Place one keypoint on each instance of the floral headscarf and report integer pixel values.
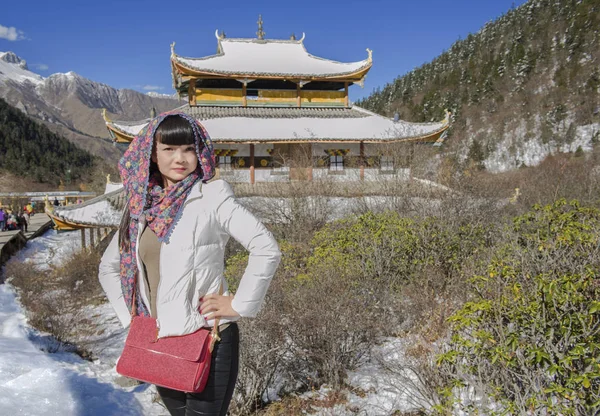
(145, 197)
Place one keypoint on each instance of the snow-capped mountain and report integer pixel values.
(71, 105)
(14, 68)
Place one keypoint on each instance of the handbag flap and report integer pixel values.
(143, 334)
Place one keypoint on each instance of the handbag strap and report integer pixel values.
(214, 334)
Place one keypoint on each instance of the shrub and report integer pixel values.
(529, 337)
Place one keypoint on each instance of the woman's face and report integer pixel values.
(175, 162)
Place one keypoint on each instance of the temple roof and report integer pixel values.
(299, 125)
(102, 211)
(256, 58)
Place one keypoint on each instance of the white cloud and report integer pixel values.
(152, 88)
(40, 67)
(11, 33)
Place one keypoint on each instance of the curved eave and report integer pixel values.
(185, 70)
(65, 225)
(119, 135)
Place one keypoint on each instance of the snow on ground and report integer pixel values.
(33, 382)
(515, 148)
(385, 384)
(49, 250)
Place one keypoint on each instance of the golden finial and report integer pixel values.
(47, 205)
(370, 52)
(173, 49)
(260, 34)
(293, 37)
(108, 178)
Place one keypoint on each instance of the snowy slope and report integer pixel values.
(35, 382)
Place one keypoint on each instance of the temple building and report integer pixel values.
(275, 112)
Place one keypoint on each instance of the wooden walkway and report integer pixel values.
(12, 241)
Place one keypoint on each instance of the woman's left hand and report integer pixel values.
(217, 306)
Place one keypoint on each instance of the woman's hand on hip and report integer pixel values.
(217, 306)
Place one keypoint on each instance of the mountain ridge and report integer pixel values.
(525, 86)
(71, 104)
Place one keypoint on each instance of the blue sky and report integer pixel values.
(125, 43)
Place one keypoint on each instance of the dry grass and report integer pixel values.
(55, 298)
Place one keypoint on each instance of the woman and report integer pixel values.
(172, 241)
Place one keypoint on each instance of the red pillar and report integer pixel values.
(252, 164)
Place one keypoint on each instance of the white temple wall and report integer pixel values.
(376, 175)
(268, 175)
(236, 175)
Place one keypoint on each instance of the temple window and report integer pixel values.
(386, 163)
(336, 163)
(225, 163)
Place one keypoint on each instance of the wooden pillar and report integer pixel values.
(362, 161)
(192, 92)
(98, 235)
(298, 95)
(83, 238)
(252, 163)
(92, 239)
(244, 97)
(346, 102)
(310, 162)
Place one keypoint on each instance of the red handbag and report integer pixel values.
(179, 363)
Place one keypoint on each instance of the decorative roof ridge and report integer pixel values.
(255, 40)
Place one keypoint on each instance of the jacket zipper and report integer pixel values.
(160, 265)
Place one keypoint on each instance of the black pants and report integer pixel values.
(214, 399)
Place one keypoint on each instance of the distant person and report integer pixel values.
(29, 209)
(11, 222)
(27, 218)
(20, 221)
(2, 220)
(56, 203)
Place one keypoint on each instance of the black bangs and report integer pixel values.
(174, 130)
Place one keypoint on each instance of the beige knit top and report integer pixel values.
(150, 257)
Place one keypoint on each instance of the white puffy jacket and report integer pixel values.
(192, 263)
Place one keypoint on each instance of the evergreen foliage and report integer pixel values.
(31, 150)
(529, 336)
(536, 62)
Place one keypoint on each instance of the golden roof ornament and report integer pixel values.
(260, 34)
(293, 37)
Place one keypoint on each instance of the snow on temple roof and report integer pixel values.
(279, 58)
(102, 211)
(244, 124)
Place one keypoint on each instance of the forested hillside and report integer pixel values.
(524, 86)
(30, 150)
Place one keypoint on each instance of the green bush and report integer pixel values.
(391, 250)
(529, 337)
